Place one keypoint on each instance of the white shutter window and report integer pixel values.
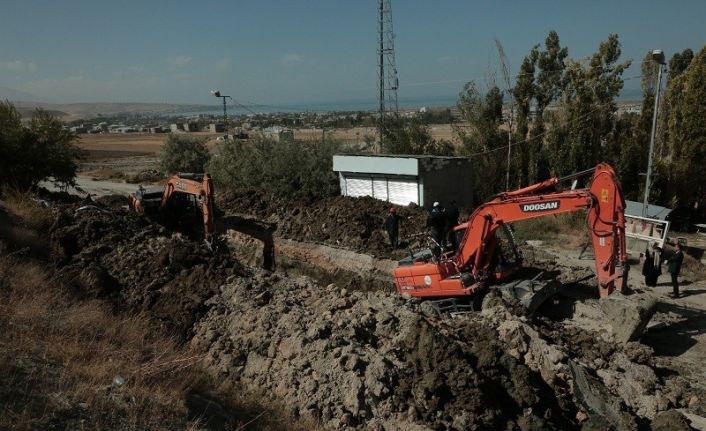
(402, 192)
(380, 188)
(359, 186)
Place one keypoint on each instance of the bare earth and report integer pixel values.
(677, 332)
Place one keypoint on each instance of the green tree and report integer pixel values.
(686, 137)
(633, 152)
(412, 136)
(182, 153)
(483, 139)
(680, 62)
(587, 111)
(677, 65)
(539, 83)
(524, 92)
(42, 150)
(298, 168)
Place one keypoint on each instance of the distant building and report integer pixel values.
(405, 179)
(216, 128)
(78, 129)
(279, 134)
(190, 127)
(157, 129)
(176, 128)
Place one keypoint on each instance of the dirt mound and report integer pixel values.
(353, 223)
(369, 360)
(137, 265)
(113, 201)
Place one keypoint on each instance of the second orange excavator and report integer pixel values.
(184, 199)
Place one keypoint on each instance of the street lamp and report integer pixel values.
(658, 57)
(225, 115)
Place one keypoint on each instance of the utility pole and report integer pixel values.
(658, 57)
(225, 115)
(506, 80)
(387, 69)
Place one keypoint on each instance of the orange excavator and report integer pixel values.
(481, 261)
(185, 197)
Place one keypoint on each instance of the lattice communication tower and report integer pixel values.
(387, 69)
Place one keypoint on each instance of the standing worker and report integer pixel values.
(392, 226)
(675, 268)
(652, 267)
(452, 215)
(437, 222)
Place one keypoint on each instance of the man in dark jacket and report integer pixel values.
(452, 215)
(392, 226)
(652, 269)
(675, 268)
(437, 222)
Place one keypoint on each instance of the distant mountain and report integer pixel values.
(13, 95)
(74, 111)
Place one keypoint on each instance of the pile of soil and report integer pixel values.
(370, 360)
(352, 223)
(137, 265)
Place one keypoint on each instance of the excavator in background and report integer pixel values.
(186, 198)
(481, 261)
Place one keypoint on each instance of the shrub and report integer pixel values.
(295, 168)
(182, 153)
(39, 151)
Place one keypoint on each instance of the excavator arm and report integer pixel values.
(471, 267)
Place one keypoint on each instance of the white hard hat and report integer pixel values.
(436, 204)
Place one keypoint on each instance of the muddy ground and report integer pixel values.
(356, 357)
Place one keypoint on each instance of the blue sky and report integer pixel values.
(289, 52)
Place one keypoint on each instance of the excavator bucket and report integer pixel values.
(531, 293)
(628, 315)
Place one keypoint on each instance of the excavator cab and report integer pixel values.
(146, 200)
(185, 201)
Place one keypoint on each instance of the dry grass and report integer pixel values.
(75, 350)
(59, 359)
(21, 204)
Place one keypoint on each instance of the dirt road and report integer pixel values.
(95, 188)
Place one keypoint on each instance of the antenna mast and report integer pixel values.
(387, 69)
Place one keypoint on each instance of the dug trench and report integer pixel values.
(254, 243)
(353, 354)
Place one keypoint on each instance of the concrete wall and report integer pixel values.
(444, 180)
